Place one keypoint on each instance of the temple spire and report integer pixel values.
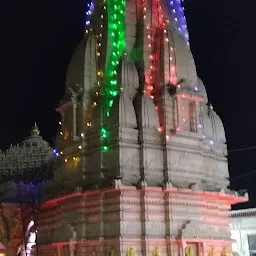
(35, 130)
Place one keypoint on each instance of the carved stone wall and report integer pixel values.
(152, 220)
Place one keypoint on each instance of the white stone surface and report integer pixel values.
(243, 223)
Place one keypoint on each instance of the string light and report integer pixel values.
(116, 26)
(90, 9)
(180, 19)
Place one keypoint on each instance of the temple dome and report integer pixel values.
(82, 67)
(35, 140)
(75, 72)
(212, 125)
(201, 89)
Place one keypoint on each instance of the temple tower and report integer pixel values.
(143, 167)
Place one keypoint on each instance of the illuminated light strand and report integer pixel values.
(172, 64)
(153, 54)
(117, 43)
(87, 15)
(149, 78)
(100, 73)
(179, 18)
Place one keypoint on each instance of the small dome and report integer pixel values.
(129, 77)
(219, 130)
(35, 140)
(146, 109)
(82, 67)
(212, 124)
(123, 112)
(201, 89)
(75, 72)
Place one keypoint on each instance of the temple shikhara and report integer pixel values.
(140, 162)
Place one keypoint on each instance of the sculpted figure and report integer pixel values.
(112, 252)
(131, 252)
(156, 251)
(188, 251)
(225, 252)
(212, 252)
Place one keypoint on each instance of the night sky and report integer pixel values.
(39, 37)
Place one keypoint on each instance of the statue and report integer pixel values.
(131, 252)
(156, 251)
(225, 252)
(112, 252)
(212, 252)
(188, 251)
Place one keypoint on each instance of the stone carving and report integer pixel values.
(117, 183)
(212, 252)
(188, 251)
(93, 253)
(17, 225)
(73, 233)
(112, 252)
(143, 184)
(225, 252)
(194, 186)
(131, 252)
(156, 252)
(168, 185)
(197, 229)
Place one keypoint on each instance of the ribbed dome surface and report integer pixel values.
(35, 140)
(123, 113)
(129, 77)
(75, 72)
(82, 67)
(146, 110)
(201, 89)
(212, 125)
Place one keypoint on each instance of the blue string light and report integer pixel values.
(88, 12)
(179, 18)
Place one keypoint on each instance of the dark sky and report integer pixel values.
(38, 38)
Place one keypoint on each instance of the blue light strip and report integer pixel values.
(179, 18)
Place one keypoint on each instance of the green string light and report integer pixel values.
(117, 44)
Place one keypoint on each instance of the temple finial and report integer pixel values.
(35, 130)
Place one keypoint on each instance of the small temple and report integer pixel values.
(140, 162)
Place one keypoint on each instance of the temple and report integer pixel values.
(141, 165)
